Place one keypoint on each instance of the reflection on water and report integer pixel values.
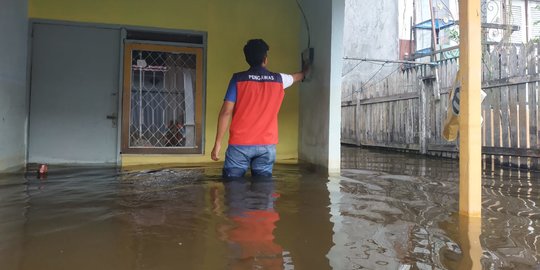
(163, 213)
(252, 220)
(392, 212)
(386, 211)
(408, 204)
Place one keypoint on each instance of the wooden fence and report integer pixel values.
(407, 109)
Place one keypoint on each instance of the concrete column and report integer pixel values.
(336, 62)
(470, 150)
(320, 96)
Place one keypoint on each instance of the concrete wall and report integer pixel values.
(229, 25)
(405, 16)
(320, 111)
(371, 31)
(13, 93)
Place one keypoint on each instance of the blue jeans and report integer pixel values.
(239, 158)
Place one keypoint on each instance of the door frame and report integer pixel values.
(122, 40)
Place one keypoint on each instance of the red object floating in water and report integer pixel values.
(43, 170)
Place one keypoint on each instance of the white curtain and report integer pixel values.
(189, 105)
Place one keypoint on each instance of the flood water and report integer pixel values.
(385, 211)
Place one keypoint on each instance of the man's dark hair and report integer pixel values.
(255, 51)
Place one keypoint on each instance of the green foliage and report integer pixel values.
(453, 34)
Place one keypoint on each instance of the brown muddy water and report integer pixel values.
(386, 211)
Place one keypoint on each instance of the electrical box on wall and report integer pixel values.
(307, 62)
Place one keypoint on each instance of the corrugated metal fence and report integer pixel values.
(407, 109)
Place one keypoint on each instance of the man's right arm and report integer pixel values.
(223, 122)
(299, 76)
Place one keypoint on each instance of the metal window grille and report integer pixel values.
(162, 103)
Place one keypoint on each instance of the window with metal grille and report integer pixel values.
(162, 101)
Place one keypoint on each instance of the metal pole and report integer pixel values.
(411, 40)
(140, 96)
(413, 29)
(434, 46)
(433, 31)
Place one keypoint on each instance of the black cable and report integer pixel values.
(307, 24)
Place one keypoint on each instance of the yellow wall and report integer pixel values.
(229, 24)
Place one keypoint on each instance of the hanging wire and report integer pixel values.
(350, 95)
(307, 24)
(384, 78)
(375, 74)
(364, 85)
(381, 62)
(360, 62)
(350, 70)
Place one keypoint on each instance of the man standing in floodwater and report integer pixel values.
(253, 100)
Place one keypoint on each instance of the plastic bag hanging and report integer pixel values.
(451, 124)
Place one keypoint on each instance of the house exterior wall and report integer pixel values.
(13, 90)
(229, 24)
(370, 31)
(320, 115)
(516, 12)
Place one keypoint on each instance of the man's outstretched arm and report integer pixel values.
(299, 76)
(223, 122)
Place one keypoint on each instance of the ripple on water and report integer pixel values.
(416, 198)
(385, 211)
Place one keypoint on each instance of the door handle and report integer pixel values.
(113, 118)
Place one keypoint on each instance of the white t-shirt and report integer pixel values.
(286, 79)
